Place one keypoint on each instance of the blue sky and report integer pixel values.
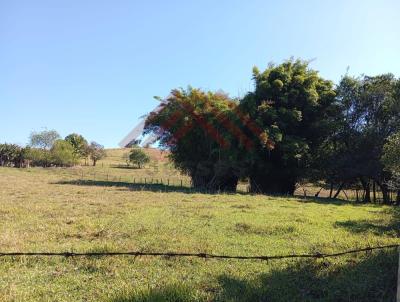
(93, 67)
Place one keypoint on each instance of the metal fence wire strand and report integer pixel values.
(196, 255)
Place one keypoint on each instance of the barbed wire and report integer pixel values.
(196, 255)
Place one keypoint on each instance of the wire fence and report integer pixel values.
(199, 255)
(139, 182)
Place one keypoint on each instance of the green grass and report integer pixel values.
(54, 210)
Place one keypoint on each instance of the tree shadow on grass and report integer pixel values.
(378, 226)
(372, 279)
(171, 293)
(362, 278)
(149, 187)
(332, 201)
(125, 167)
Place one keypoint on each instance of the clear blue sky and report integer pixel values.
(93, 67)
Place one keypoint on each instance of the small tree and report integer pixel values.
(62, 153)
(138, 157)
(96, 152)
(79, 143)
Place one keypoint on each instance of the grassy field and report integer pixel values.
(57, 210)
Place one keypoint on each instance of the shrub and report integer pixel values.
(62, 154)
(38, 157)
(138, 157)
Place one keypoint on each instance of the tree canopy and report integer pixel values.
(199, 130)
(44, 139)
(369, 115)
(96, 152)
(63, 153)
(79, 143)
(295, 108)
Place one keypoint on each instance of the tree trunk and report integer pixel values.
(331, 191)
(338, 191)
(94, 163)
(385, 192)
(367, 191)
(374, 190)
(317, 194)
(398, 198)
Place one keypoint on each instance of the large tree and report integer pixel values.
(201, 132)
(294, 107)
(370, 113)
(44, 139)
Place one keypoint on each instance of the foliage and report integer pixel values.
(79, 143)
(44, 139)
(370, 113)
(194, 126)
(39, 157)
(138, 157)
(294, 108)
(96, 152)
(391, 161)
(63, 154)
(391, 153)
(12, 155)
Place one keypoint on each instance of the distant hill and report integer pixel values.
(115, 155)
